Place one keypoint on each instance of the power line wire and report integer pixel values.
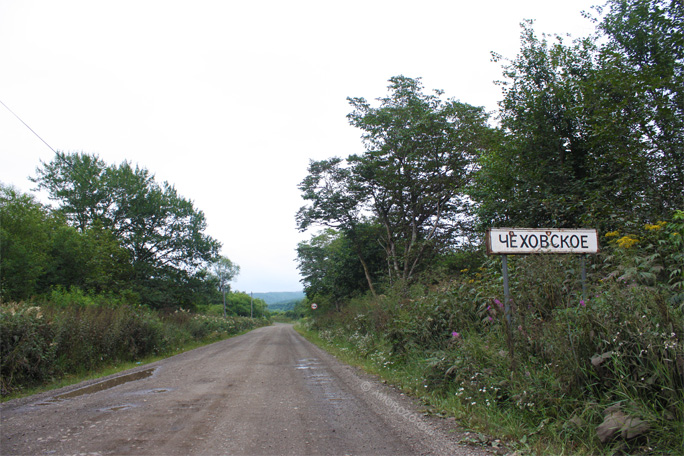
(27, 126)
(78, 172)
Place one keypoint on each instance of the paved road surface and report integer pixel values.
(268, 392)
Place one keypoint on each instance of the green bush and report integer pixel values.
(27, 351)
(82, 333)
(74, 296)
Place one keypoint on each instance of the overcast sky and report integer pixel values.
(230, 100)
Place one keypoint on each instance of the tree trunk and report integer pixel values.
(365, 271)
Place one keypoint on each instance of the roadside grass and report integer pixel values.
(42, 346)
(488, 423)
(407, 377)
(280, 317)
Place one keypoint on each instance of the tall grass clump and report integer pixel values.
(81, 333)
(595, 371)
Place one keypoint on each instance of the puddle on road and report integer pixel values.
(320, 380)
(117, 408)
(306, 363)
(101, 386)
(152, 391)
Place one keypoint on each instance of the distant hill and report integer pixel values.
(283, 300)
(284, 306)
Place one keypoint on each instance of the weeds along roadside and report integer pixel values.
(598, 375)
(43, 344)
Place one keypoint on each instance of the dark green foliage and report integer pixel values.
(244, 305)
(643, 69)
(92, 260)
(26, 350)
(39, 252)
(410, 181)
(162, 232)
(116, 231)
(537, 175)
(594, 129)
(335, 201)
(331, 269)
(460, 261)
(238, 304)
(25, 227)
(420, 151)
(298, 311)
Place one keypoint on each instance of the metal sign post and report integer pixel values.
(507, 307)
(583, 262)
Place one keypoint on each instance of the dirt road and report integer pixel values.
(267, 392)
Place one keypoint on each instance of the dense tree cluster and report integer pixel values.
(115, 230)
(594, 129)
(590, 133)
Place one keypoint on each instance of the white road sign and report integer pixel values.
(524, 241)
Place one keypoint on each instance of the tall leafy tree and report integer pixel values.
(335, 201)
(642, 82)
(224, 271)
(419, 157)
(162, 231)
(77, 182)
(537, 175)
(594, 128)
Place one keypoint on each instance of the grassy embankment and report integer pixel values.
(600, 375)
(75, 337)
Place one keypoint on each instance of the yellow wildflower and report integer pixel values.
(628, 241)
(656, 227)
(464, 270)
(612, 233)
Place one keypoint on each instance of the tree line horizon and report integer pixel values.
(589, 132)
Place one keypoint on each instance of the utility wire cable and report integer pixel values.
(66, 162)
(27, 126)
